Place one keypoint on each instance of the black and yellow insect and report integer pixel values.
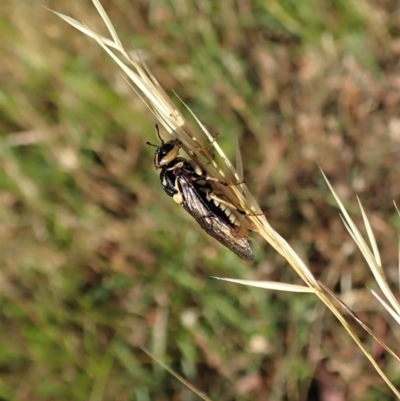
(189, 186)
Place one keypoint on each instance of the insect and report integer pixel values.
(189, 186)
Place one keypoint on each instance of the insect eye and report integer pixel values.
(166, 149)
(166, 154)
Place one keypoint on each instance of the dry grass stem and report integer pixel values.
(371, 256)
(177, 376)
(270, 285)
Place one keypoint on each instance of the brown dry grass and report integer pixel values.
(94, 259)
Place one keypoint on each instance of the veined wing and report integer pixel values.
(221, 229)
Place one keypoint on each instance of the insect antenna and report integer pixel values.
(159, 136)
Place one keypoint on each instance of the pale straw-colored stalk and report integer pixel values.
(162, 107)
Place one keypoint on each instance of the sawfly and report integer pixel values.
(189, 186)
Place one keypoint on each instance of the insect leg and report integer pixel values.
(205, 150)
(210, 145)
(225, 184)
(212, 159)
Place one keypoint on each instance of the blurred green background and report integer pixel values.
(98, 263)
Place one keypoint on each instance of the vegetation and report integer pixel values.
(97, 263)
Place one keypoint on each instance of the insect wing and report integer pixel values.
(214, 225)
